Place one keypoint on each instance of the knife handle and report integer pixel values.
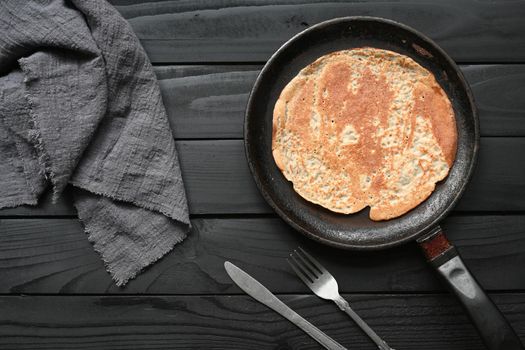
(306, 326)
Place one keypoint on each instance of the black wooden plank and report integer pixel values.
(218, 181)
(430, 322)
(239, 31)
(54, 256)
(498, 182)
(206, 101)
(209, 101)
(498, 94)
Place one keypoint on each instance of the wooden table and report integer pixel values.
(56, 293)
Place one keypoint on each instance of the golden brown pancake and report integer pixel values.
(364, 127)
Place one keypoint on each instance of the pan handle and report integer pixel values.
(494, 329)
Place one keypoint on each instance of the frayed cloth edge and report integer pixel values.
(35, 134)
(119, 280)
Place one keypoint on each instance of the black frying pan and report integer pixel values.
(357, 231)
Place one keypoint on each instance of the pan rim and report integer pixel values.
(454, 197)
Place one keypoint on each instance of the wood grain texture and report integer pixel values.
(240, 31)
(209, 101)
(51, 254)
(206, 101)
(498, 92)
(218, 181)
(54, 256)
(430, 322)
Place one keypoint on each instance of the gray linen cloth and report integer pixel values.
(80, 104)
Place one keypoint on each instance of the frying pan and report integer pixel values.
(357, 231)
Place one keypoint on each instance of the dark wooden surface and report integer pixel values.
(251, 30)
(52, 256)
(55, 293)
(430, 322)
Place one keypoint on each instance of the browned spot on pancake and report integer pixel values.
(371, 101)
(432, 103)
(301, 106)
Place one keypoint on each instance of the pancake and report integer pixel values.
(364, 127)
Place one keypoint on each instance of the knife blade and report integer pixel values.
(257, 291)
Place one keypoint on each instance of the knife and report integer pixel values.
(257, 291)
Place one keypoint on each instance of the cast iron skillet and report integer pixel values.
(357, 231)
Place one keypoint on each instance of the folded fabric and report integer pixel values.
(80, 105)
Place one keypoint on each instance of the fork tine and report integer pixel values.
(313, 261)
(299, 273)
(316, 271)
(303, 268)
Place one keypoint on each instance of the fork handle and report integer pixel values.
(344, 306)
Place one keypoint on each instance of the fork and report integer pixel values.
(324, 285)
